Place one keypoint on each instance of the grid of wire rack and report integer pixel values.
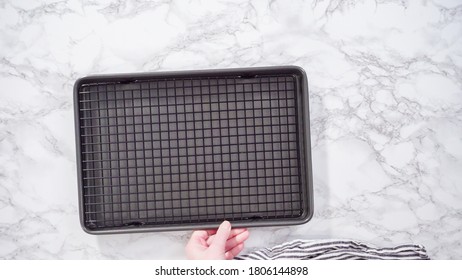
(189, 150)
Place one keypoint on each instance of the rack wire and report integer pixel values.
(177, 151)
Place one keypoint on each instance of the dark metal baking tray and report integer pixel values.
(185, 150)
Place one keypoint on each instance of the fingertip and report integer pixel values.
(234, 252)
(219, 241)
(199, 234)
(244, 236)
(236, 231)
(225, 225)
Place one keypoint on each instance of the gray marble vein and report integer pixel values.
(385, 98)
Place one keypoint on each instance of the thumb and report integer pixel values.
(219, 242)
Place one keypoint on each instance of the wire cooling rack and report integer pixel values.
(179, 152)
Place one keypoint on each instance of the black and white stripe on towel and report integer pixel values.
(337, 249)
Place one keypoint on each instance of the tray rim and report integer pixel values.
(305, 145)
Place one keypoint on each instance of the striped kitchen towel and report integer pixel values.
(337, 249)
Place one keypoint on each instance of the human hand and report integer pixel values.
(221, 244)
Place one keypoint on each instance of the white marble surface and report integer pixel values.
(386, 107)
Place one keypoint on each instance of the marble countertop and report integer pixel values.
(385, 81)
